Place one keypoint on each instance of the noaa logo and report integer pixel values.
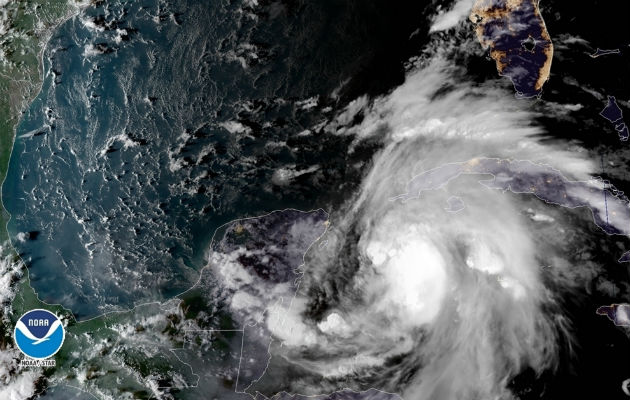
(39, 334)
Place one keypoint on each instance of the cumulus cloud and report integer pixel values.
(10, 270)
(15, 383)
(448, 19)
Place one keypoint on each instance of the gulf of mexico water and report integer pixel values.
(159, 121)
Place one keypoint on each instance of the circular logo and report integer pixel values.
(39, 334)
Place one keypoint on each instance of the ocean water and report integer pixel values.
(159, 121)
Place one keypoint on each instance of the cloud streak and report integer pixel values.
(424, 302)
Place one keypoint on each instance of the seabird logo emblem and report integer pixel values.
(39, 334)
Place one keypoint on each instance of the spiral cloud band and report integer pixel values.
(405, 293)
(442, 276)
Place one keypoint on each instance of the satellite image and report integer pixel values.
(314, 200)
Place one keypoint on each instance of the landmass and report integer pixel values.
(612, 112)
(257, 261)
(619, 314)
(599, 52)
(515, 33)
(455, 204)
(609, 206)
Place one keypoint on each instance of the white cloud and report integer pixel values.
(470, 281)
(15, 383)
(448, 19)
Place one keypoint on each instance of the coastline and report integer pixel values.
(25, 29)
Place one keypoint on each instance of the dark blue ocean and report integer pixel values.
(133, 153)
(159, 121)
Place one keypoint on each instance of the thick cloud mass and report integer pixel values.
(413, 297)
